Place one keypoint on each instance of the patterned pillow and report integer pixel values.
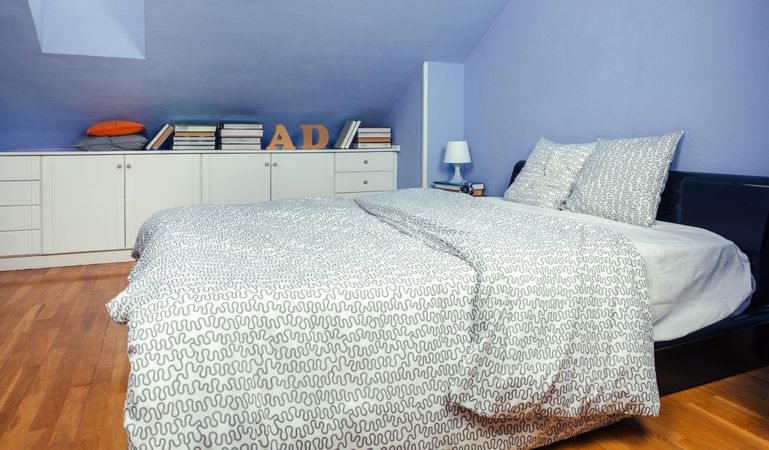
(623, 179)
(549, 174)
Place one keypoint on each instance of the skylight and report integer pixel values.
(109, 28)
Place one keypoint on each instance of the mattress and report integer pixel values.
(695, 277)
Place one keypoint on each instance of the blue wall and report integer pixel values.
(574, 71)
(446, 116)
(406, 122)
(444, 85)
(276, 61)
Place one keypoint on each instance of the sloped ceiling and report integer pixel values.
(293, 61)
(68, 26)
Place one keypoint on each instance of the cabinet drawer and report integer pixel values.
(364, 162)
(13, 193)
(17, 243)
(364, 182)
(18, 218)
(19, 168)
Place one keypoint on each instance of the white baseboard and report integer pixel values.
(71, 259)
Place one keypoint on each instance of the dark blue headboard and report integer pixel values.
(734, 206)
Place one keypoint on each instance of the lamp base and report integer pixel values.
(457, 178)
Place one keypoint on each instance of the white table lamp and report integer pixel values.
(457, 153)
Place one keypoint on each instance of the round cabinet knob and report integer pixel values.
(266, 164)
(119, 166)
(365, 161)
(127, 166)
(274, 164)
(365, 181)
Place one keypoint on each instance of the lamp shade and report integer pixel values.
(457, 152)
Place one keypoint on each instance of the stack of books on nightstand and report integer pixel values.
(194, 136)
(373, 137)
(478, 188)
(240, 135)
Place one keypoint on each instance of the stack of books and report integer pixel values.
(478, 188)
(240, 135)
(346, 136)
(373, 137)
(192, 136)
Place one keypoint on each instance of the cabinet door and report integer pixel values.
(82, 203)
(155, 182)
(302, 175)
(236, 178)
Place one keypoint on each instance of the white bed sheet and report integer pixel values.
(695, 277)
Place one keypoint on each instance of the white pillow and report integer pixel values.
(547, 178)
(623, 179)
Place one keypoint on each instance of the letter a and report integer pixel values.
(281, 138)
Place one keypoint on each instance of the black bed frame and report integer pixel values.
(737, 208)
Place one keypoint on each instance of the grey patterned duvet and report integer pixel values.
(417, 319)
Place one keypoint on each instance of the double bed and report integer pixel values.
(416, 319)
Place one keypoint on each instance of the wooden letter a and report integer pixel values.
(281, 138)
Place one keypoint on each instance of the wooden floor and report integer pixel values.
(63, 371)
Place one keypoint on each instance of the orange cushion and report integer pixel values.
(115, 128)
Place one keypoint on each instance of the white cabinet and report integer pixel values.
(59, 208)
(302, 175)
(82, 203)
(158, 181)
(98, 202)
(236, 178)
